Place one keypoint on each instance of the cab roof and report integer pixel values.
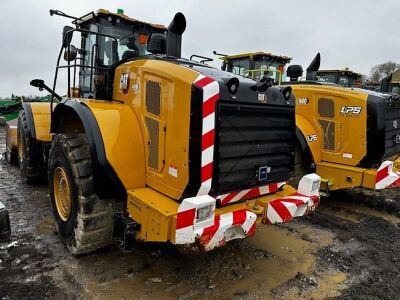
(283, 58)
(345, 70)
(395, 76)
(105, 13)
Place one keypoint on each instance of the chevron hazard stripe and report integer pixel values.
(249, 193)
(386, 178)
(285, 209)
(210, 89)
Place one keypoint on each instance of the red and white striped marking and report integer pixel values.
(225, 227)
(249, 193)
(210, 89)
(285, 209)
(386, 178)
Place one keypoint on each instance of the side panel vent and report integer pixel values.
(328, 128)
(153, 97)
(154, 132)
(326, 108)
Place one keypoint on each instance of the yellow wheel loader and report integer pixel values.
(148, 146)
(348, 136)
(344, 77)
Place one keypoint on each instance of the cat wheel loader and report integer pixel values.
(149, 146)
(348, 136)
(344, 77)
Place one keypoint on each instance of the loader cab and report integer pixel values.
(106, 40)
(390, 84)
(257, 65)
(345, 77)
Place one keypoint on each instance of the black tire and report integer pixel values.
(30, 158)
(90, 223)
(299, 170)
(11, 153)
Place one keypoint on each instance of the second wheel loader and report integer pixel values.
(348, 136)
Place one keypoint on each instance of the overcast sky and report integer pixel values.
(349, 33)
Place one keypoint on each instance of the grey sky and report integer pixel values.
(356, 34)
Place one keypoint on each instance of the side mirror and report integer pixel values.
(38, 83)
(223, 66)
(66, 36)
(70, 53)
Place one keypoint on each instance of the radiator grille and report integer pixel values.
(328, 128)
(326, 108)
(153, 97)
(153, 130)
(250, 137)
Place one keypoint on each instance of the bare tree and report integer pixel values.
(379, 71)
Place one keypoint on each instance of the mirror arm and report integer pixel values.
(42, 86)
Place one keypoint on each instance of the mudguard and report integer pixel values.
(38, 120)
(109, 141)
(309, 140)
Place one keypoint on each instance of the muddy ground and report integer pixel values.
(348, 249)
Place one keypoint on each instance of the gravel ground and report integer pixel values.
(347, 249)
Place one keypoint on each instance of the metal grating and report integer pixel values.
(329, 134)
(392, 132)
(153, 130)
(250, 137)
(153, 97)
(326, 108)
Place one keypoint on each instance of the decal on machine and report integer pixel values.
(311, 138)
(397, 139)
(262, 98)
(351, 110)
(123, 83)
(303, 100)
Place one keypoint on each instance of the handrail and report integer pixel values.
(248, 72)
(69, 65)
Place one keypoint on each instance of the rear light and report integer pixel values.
(309, 185)
(204, 212)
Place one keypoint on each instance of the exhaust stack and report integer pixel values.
(174, 35)
(313, 68)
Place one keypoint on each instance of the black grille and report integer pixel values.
(250, 137)
(392, 132)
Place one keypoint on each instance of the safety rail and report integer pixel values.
(251, 73)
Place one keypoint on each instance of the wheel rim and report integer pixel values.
(62, 193)
(20, 147)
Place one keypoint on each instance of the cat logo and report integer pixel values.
(351, 110)
(312, 138)
(123, 83)
(262, 98)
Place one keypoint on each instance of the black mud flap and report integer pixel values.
(5, 228)
(124, 231)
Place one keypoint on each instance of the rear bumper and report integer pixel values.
(341, 176)
(238, 221)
